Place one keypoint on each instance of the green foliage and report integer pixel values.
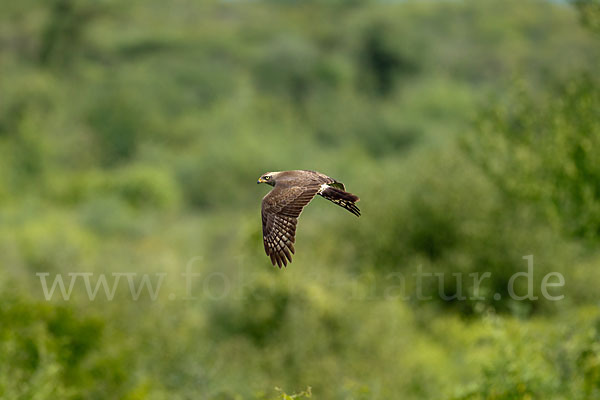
(288, 67)
(131, 135)
(542, 150)
(383, 64)
(302, 395)
(63, 36)
(47, 350)
(589, 11)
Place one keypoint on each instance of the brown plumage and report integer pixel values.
(292, 191)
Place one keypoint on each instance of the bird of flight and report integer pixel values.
(292, 190)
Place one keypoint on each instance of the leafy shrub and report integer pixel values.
(288, 67)
(541, 151)
(44, 348)
(382, 61)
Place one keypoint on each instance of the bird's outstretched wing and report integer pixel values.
(280, 210)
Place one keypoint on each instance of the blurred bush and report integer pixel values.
(131, 135)
(542, 151)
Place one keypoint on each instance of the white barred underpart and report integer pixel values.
(323, 187)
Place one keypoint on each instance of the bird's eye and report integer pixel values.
(267, 178)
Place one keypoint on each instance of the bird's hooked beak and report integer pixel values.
(260, 180)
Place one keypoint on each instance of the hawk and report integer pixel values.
(292, 190)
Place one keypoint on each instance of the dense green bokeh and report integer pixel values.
(131, 135)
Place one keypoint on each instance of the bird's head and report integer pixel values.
(268, 178)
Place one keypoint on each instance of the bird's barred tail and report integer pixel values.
(341, 198)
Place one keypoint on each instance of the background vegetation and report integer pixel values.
(131, 135)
